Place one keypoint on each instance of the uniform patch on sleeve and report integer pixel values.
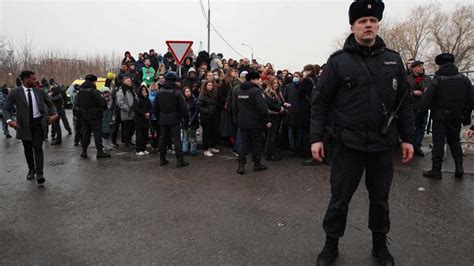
(394, 84)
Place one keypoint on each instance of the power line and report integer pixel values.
(215, 30)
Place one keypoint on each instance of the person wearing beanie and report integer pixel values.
(418, 82)
(30, 103)
(450, 97)
(91, 105)
(364, 92)
(251, 111)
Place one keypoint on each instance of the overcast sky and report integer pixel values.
(288, 34)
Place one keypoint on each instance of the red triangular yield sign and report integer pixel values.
(179, 49)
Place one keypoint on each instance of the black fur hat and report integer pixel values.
(366, 8)
(444, 58)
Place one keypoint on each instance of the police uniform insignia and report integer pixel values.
(369, 6)
(389, 63)
(394, 84)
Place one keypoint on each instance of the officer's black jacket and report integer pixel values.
(361, 103)
(89, 99)
(169, 106)
(449, 91)
(251, 108)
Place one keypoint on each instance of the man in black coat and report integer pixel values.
(91, 105)
(30, 106)
(451, 99)
(362, 85)
(171, 109)
(251, 111)
(57, 99)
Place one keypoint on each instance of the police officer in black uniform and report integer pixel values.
(365, 86)
(91, 106)
(171, 109)
(450, 98)
(251, 111)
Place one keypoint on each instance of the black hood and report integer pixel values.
(190, 58)
(169, 85)
(88, 85)
(247, 85)
(352, 46)
(448, 69)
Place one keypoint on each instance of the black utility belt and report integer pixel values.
(90, 111)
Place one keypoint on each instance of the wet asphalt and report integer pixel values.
(128, 210)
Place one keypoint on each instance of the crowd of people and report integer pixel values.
(208, 85)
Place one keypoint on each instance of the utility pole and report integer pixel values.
(208, 26)
(251, 48)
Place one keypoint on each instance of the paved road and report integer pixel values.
(128, 210)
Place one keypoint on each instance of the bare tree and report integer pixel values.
(455, 34)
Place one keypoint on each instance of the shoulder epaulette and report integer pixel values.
(393, 51)
(337, 53)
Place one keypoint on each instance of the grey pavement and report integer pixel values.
(128, 210)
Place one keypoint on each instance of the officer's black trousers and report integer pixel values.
(92, 126)
(346, 173)
(251, 138)
(172, 133)
(77, 128)
(442, 131)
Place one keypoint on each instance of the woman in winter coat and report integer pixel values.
(107, 119)
(189, 131)
(125, 98)
(206, 106)
(142, 119)
(274, 103)
(224, 104)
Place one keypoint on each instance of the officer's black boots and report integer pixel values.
(380, 250)
(257, 167)
(102, 154)
(241, 169)
(84, 153)
(435, 171)
(164, 162)
(459, 172)
(329, 253)
(181, 163)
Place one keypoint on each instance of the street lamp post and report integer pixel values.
(11, 79)
(250, 48)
